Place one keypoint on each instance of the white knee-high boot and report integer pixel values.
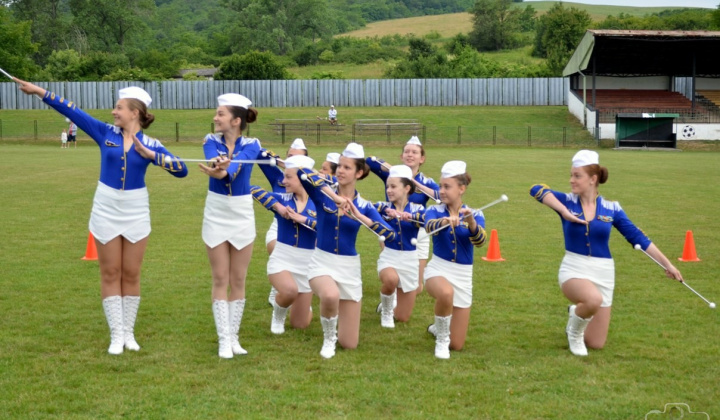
(277, 325)
(575, 331)
(329, 326)
(113, 307)
(235, 314)
(220, 313)
(387, 310)
(442, 336)
(131, 304)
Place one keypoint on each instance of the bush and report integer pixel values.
(254, 65)
(326, 56)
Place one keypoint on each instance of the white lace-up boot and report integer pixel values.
(131, 304)
(113, 307)
(277, 325)
(271, 296)
(575, 331)
(235, 314)
(387, 313)
(329, 326)
(442, 336)
(220, 313)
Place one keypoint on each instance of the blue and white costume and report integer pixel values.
(453, 252)
(120, 206)
(229, 214)
(400, 254)
(295, 243)
(417, 197)
(274, 175)
(587, 251)
(335, 254)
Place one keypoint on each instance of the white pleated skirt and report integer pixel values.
(294, 260)
(423, 244)
(228, 218)
(120, 213)
(600, 271)
(459, 276)
(405, 264)
(272, 233)
(344, 269)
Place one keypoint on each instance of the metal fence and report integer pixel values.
(309, 93)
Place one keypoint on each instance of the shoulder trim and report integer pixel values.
(249, 140)
(213, 137)
(151, 142)
(609, 204)
(415, 207)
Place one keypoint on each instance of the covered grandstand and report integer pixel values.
(621, 72)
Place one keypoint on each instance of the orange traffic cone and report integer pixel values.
(689, 253)
(91, 249)
(493, 253)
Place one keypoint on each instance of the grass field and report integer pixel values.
(441, 125)
(451, 24)
(662, 346)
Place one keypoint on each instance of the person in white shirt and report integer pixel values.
(332, 115)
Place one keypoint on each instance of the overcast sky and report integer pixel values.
(709, 4)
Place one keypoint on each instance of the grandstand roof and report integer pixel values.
(647, 53)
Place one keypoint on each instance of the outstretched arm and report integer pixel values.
(670, 271)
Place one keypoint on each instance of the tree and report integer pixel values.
(112, 22)
(16, 46)
(64, 65)
(50, 24)
(279, 26)
(254, 65)
(495, 25)
(558, 33)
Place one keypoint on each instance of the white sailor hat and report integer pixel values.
(332, 106)
(354, 151)
(234, 99)
(333, 158)
(298, 144)
(134, 92)
(299, 161)
(414, 140)
(400, 171)
(585, 158)
(453, 168)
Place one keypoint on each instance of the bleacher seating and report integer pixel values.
(712, 96)
(641, 100)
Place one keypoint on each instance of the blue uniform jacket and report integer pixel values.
(405, 231)
(593, 240)
(274, 174)
(416, 196)
(118, 169)
(237, 181)
(337, 234)
(454, 244)
(289, 232)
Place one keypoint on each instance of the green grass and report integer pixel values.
(441, 125)
(373, 70)
(451, 24)
(662, 345)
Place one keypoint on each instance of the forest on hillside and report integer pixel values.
(259, 39)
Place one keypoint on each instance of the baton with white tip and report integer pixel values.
(710, 304)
